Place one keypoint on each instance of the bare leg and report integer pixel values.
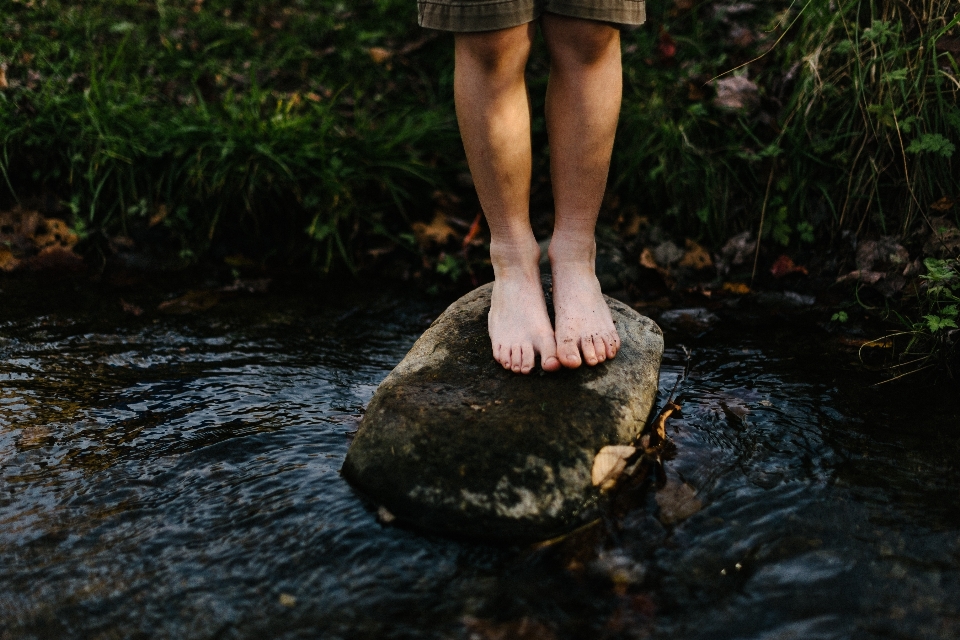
(583, 105)
(493, 110)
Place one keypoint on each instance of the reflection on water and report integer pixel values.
(178, 477)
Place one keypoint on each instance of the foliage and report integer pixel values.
(251, 121)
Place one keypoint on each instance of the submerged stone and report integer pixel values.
(454, 443)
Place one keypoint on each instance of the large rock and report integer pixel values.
(454, 443)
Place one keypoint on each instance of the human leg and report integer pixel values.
(493, 110)
(583, 106)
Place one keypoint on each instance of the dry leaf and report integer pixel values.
(473, 232)
(54, 258)
(190, 302)
(438, 232)
(523, 629)
(736, 288)
(287, 600)
(379, 54)
(943, 204)
(384, 515)
(647, 260)
(660, 428)
(54, 231)
(695, 257)
(608, 464)
(784, 266)
(736, 92)
(7, 262)
(132, 309)
(3, 77)
(158, 216)
(677, 501)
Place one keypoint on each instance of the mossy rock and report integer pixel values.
(451, 442)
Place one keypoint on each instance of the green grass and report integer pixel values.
(307, 131)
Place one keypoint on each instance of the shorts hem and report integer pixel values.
(458, 16)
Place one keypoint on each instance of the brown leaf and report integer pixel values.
(54, 231)
(660, 427)
(190, 302)
(735, 288)
(158, 216)
(677, 501)
(523, 629)
(695, 257)
(54, 258)
(132, 309)
(784, 266)
(647, 260)
(7, 262)
(944, 240)
(384, 515)
(608, 464)
(379, 54)
(736, 93)
(3, 77)
(943, 204)
(868, 277)
(473, 232)
(438, 232)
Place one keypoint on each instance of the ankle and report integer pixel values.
(515, 255)
(573, 250)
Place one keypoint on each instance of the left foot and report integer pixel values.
(583, 328)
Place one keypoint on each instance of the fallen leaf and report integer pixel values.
(647, 260)
(660, 426)
(190, 302)
(736, 288)
(7, 262)
(666, 46)
(384, 515)
(379, 54)
(677, 501)
(438, 232)
(53, 231)
(3, 77)
(736, 93)
(944, 239)
(54, 258)
(287, 600)
(132, 309)
(158, 216)
(943, 204)
(608, 464)
(868, 277)
(523, 629)
(473, 232)
(253, 285)
(695, 257)
(784, 266)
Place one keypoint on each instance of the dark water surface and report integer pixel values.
(177, 477)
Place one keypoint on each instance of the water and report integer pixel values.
(177, 477)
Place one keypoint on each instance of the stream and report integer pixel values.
(176, 476)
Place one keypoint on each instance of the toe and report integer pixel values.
(528, 358)
(600, 346)
(589, 352)
(548, 354)
(568, 353)
(612, 344)
(516, 358)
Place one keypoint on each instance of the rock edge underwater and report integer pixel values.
(453, 443)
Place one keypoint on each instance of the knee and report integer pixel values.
(585, 44)
(495, 52)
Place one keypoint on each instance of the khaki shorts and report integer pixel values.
(489, 15)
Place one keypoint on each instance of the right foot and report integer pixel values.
(518, 323)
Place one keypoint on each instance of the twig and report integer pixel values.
(763, 213)
(774, 46)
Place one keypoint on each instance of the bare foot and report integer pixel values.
(584, 326)
(518, 322)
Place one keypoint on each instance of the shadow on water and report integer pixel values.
(178, 477)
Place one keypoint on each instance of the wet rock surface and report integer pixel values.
(452, 442)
